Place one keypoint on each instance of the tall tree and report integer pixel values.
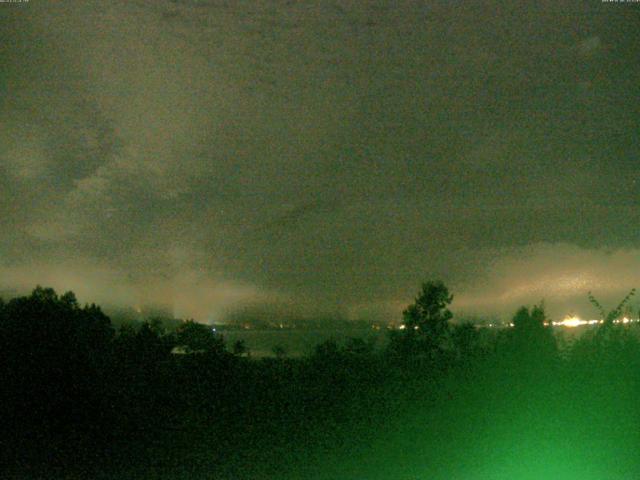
(429, 314)
(532, 336)
(426, 321)
(196, 337)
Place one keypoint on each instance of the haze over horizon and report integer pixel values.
(320, 157)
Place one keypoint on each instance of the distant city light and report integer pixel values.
(574, 321)
(569, 322)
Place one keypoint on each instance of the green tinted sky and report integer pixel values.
(320, 155)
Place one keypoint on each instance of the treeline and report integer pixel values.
(441, 400)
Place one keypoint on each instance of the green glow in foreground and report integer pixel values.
(533, 461)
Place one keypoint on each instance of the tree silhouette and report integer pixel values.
(429, 312)
(608, 340)
(616, 313)
(240, 348)
(529, 323)
(532, 335)
(358, 347)
(465, 338)
(44, 325)
(199, 338)
(279, 351)
(426, 321)
(327, 350)
(54, 359)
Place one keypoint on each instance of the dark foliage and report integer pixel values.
(80, 400)
(426, 324)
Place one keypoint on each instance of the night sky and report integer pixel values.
(321, 157)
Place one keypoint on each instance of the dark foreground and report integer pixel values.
(79, 401)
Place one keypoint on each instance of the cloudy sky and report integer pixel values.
(320, 156)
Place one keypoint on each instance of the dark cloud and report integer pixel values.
(322, 156)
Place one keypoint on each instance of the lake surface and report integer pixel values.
(302, 342)
(297, 342)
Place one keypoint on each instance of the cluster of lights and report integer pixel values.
(578, 322)
(570, 322)
(573, 322)
(403, 327)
